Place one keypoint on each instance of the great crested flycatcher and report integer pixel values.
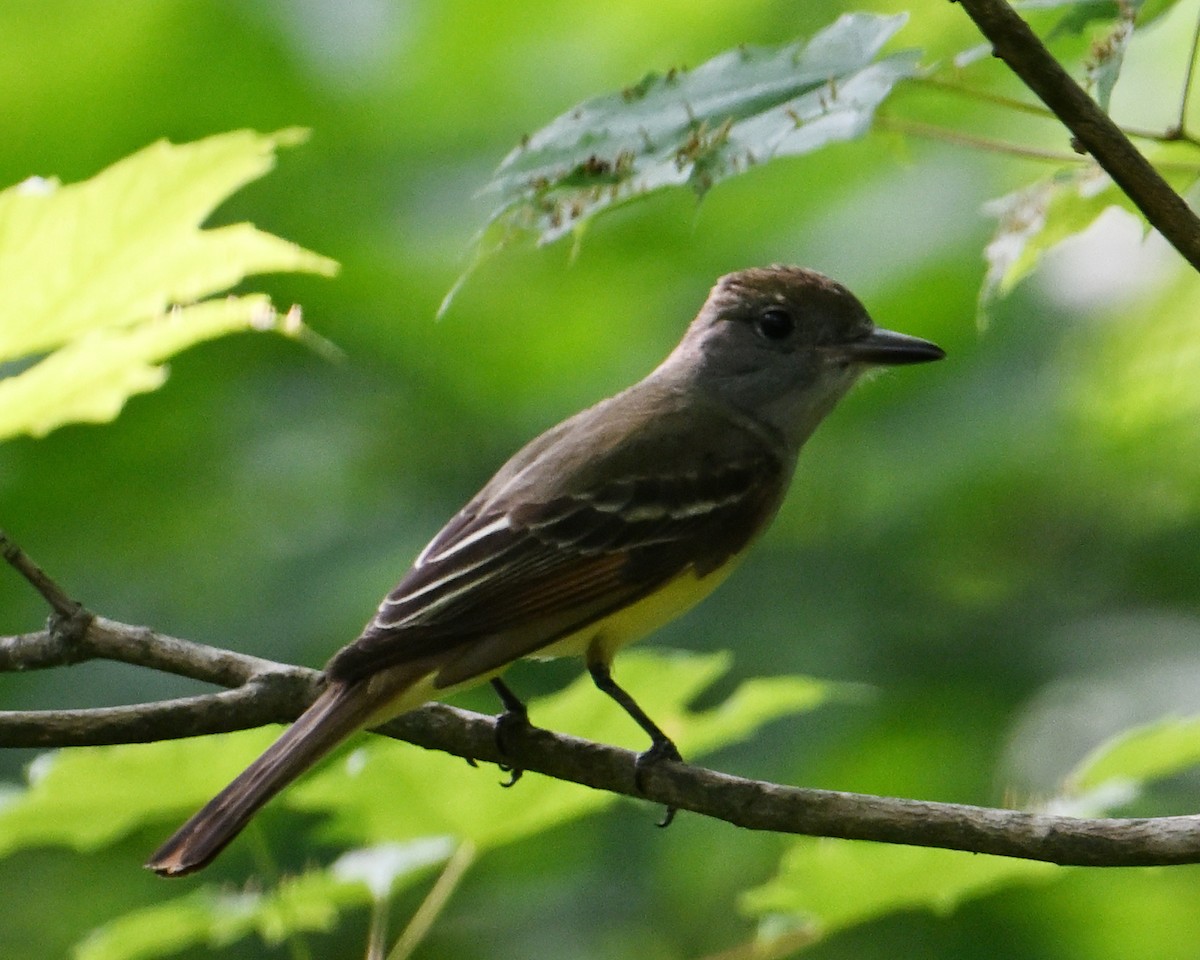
(595, 533)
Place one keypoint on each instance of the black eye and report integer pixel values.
(775, 323)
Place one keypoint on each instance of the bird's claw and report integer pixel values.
(514, 774)
(660, 750)
(510, 724)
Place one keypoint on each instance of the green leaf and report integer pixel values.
(384, 791)
(742, 108)
(90, 378)
(311, 901)
(89, 798)
(1135, 757)
(214, 918)
(92, 270)
(825, 885)
(1081, 13)
(376, 796)
(1037, 217)
(828, 885)
(380, 792)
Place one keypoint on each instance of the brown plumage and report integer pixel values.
(596, 532)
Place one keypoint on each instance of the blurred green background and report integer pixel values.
(1005, 544)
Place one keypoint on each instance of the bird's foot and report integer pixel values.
(510, 725)
(660, 750)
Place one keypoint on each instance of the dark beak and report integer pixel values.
(890, 349)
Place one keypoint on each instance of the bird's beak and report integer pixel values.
(888, 348)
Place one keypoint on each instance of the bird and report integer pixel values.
(596, 532)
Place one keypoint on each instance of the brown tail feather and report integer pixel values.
(333, 716)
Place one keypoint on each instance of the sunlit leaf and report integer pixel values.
(89, 274)
(400, 808)
(90, 378)
(383, 793)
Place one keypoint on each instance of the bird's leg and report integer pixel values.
(515, 717)
(662, 747)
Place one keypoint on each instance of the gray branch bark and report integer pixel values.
(264, 692)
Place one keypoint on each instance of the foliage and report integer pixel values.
(90, 798)
(1005, 547)
(102, 280)
(823, 885)
(748, 106)
(697, 127)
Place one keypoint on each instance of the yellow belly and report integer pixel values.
(398, 691)
(602, 639)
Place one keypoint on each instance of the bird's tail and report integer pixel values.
(334, 715)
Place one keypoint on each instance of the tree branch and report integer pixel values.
(277, 693)
(270, 698)
(268, 692)
(1014, 43)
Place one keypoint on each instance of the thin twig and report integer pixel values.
(984, 96)
(931, 132)
(435, 902)
(267, 699)
(377, 930)
(1034, 109)
(53, 594)
(778, 947)
(1179, 132)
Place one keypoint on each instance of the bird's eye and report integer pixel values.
(775, 323)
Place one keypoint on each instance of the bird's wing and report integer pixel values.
(500, 584)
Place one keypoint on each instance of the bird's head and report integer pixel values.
(784, 344)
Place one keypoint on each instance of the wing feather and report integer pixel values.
(513, 580)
